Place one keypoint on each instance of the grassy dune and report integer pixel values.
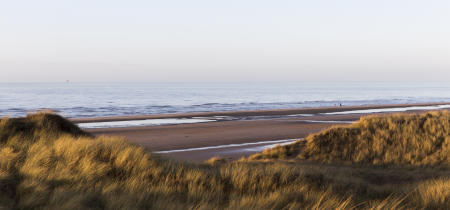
(397, 139)
(48, 163)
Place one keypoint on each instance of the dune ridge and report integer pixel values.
(46, 162)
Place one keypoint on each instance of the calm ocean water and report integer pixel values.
(77, 100)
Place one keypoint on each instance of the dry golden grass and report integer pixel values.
(214, 161)
(48, 163)
(280, 152)
(396, 139)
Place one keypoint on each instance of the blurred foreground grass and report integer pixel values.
(48, 163)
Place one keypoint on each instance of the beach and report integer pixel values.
(272, 125)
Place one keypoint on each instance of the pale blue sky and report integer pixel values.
(224, 41)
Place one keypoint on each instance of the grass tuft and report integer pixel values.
(216, 161)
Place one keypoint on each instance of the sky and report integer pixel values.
(225, 41)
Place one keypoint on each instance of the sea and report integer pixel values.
(86, 100)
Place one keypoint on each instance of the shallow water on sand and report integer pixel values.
(230, 151)
(253, 146)
(148, 122)
(400, 109)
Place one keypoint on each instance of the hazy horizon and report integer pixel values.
(225, 42)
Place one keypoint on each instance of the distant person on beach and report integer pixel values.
(340, 104)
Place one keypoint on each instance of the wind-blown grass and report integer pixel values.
(396, 139)
(48, 163)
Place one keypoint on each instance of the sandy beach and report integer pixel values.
(187, 136)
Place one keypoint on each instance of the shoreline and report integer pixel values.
(251, 113)
(186, 136)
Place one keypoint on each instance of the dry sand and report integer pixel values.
(185, 136)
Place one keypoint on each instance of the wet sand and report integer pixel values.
(185, 136)
(272, 112)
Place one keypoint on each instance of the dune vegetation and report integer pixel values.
(397, 139)
(46, 162)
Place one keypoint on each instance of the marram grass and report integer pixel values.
(48, 163)
(396, 139)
